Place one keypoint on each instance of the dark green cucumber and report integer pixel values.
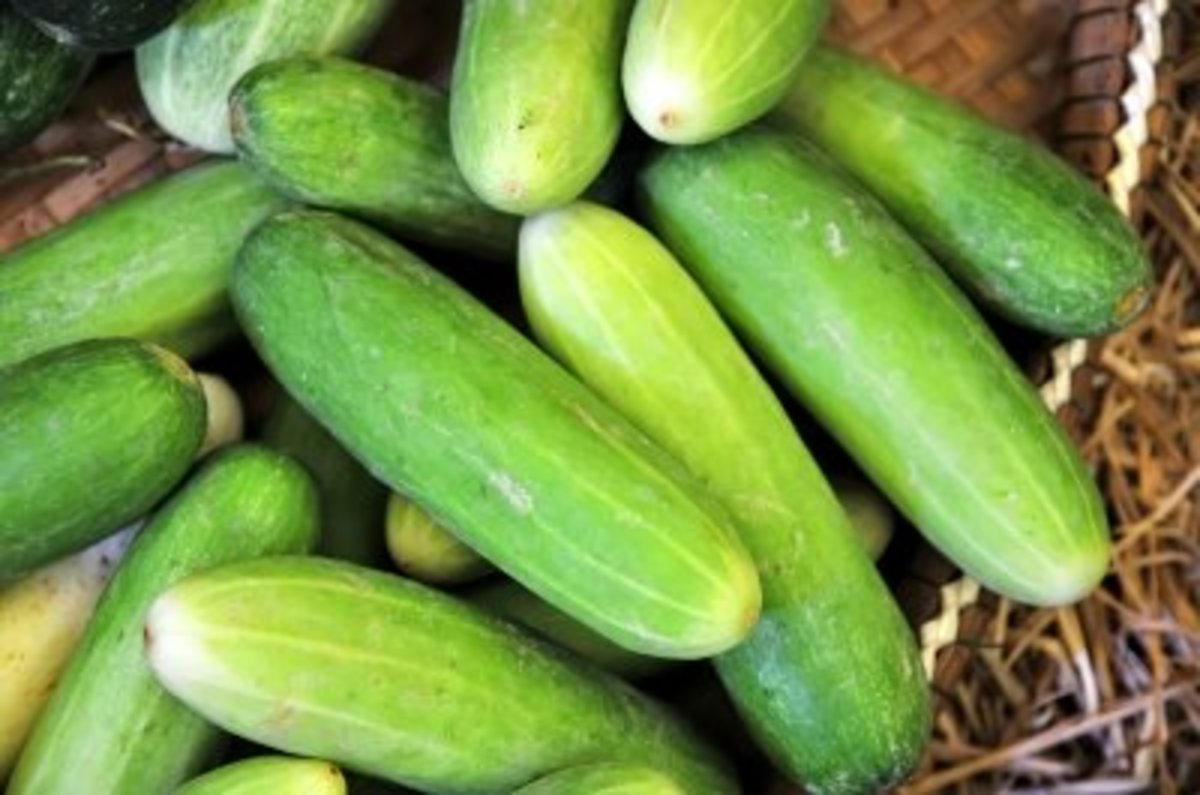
(107, 25)
(425, 386)
(110, 727)
(866, 330)
(290, 124)
(187, 71)
(269, 775)
(152, 265)
(91, 436)
(1018, 227)
(535, 105)
(437, 696)
(38, 77)
(604, 778)
(830, 681)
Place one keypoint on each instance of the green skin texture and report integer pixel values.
(109, 25)
(535, 102)
(92, 435)
(426, 551)
(603, 779)
(578, 506)
(396, 680)
(864, 329)
(151, 265)
(38, 77)
(830, 680)
(1016, 226)
(187, 71)
(290, 124)
(269, 775)
(109, 723)
(695, 70)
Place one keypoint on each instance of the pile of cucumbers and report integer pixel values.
(691, 197)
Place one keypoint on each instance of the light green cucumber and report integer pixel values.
(578, 506)
(337, 134)
(187, 71)
(603, 779)
(830, 680)
(1019, 228)
(91, 436)
(269, 775)
(152, 265)
(109, 723)
(695, 70)
(864, 328)
(426, 551)
(437, 695)
(535, 104)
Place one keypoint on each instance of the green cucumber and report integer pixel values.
(152, 265)
(91, 436)
(290, 123)
(109, 724)
(38, 77)
(696, 70)
(535, 104)
(269, 775)
(1018, 227)
(107, 25)
(187, 71)
(869, 512)
(437, 696)
(579, 506)
(864, 328)
(603, 779)
(426, 551)
(830, 680)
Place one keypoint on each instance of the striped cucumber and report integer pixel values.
(107, 25)
(830, 681)
(108, 722)
(579, 507)
(888, 355)
(604, 778)
(1017, 226)
(187, 71)
(698, 69)
(269, 775)
(151, 265)
(535, 104)
(91, 436)
(290, 123)
(437, 696)
(424, 550)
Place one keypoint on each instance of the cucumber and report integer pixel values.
(290, 121)
(437, 696)
(152, 265)
(424, 550)
(109, 723)
(869, 512)
(579, 506)
(888, 355)
(224, 423)
(1017, 227)
(535, 100)
(830, 681)
(696, 70)
(187, 71)
(39, 77)
(603, 779)
(106, 25)
(91, 436)
(269, 775)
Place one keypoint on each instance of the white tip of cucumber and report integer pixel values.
(225, 416)
(665, 106)
(173, 646)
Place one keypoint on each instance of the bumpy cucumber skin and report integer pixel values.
(695, 70)
(579, 507)
(91, 436)
(535, 103)
(107, 25)
(830, 680)
(38, 77)
(109, 723)
(269, 775)
(433, 697)
(337, 134)
(603, 779)
(875, 339)
(187, 71)
(1022, 231)
(151, 265)
(426, 551)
